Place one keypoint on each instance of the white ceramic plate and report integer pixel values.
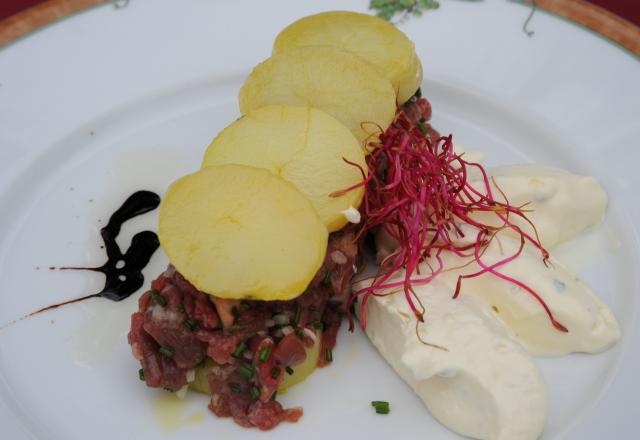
(110, 101)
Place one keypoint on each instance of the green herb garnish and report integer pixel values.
(388, 9)
(328, 355)
(191, 325)
(166, 352)
(245, 370)
(381, 406)
(326, 281)
(424, 127)
(264, 354)
(240, 349)
(161, 300)
(296, 318)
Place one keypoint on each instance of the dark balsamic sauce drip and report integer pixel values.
(123, 271)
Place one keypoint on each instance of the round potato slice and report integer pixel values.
(369, 37)
(333, 80)
(302, 371)
(241, 232)
(303, 145)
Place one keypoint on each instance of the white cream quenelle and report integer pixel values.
(560, 204)
(592, 326)
(484, 385)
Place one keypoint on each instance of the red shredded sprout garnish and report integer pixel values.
(417, 189)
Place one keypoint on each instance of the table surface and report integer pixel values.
(627, 9)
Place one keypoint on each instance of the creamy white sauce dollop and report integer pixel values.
(560, 204)
(484, 385)
(591, 324)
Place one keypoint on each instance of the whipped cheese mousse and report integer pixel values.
(590, 323)
(478, 381)
(558, 203)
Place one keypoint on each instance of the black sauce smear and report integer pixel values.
(123, 271)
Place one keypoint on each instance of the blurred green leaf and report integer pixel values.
(389, 9)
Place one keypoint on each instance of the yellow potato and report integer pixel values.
(201, 381)
(240, 232)
(303, 370)
(330, 79)
(369, 37)
(302, 145)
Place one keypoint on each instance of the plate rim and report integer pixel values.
(108, 11)
(581, 13)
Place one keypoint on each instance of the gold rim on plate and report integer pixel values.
(588, 15)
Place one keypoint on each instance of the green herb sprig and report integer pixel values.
(389, 9)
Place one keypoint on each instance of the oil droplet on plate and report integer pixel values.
(170, 412)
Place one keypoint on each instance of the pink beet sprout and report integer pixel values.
(417, 189)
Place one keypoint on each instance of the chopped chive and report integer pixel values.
(234, 327)
(240, 349)
(381, 407)
(289, 371)
(264, 354)
(168, 389)
(161, 300)
(424, 129)
(191, 325)
(418, 93)
(318, 326)
(141, 373)
(181, 308)
(235, 387)
(379, 403)
(273, 396)
(255, 392)
(296, 318)
(235, 312)
(201, 363)
(166, 352)
(326, 282)
(328, 355)
(245, 370)
(275, 373)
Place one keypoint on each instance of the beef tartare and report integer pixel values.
(243, 349)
